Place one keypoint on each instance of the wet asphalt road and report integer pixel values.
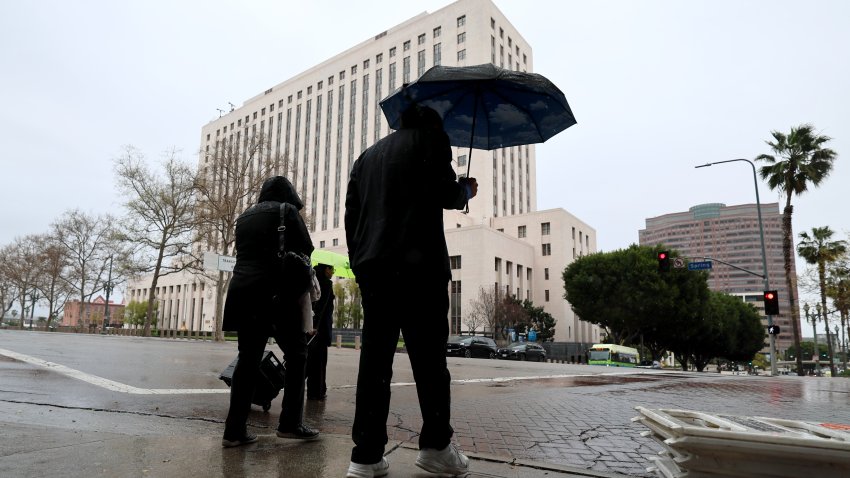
(552, 413)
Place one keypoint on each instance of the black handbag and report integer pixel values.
(295, 266)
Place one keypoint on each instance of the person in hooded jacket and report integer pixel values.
(397, 191)
(256, 311)
(317, 357)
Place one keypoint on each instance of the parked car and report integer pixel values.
(471, 346)
(523, 351)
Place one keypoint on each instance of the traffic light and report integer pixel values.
(664, 261)
(771, 302)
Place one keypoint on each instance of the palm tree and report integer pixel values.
(800, 159)
(819, 250)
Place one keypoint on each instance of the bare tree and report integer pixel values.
(483, 309)
(51, 280)
(7, 286)
(20, 266)
(159, 222)
(87, 242)
(229, 181)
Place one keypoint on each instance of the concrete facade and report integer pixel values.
(731, 234)
(317, 123)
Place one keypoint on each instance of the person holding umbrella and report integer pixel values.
(317, 355)
(397, 191)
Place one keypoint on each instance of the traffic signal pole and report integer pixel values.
(773, 370)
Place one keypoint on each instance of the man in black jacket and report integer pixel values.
(397, 191)
(317, 357)
(256, 309)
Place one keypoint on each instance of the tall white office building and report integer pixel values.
(317, 123)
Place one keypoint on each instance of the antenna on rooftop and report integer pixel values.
(220, 112)
(232, 106)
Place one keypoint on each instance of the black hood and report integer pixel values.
(279, 189)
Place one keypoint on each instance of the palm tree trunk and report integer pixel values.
(790, 280)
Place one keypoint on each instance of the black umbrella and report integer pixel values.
(484, 106)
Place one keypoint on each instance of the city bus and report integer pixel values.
(613, 355)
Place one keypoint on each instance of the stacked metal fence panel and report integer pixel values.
(697, 444)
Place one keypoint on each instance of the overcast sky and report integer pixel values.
(657, 87)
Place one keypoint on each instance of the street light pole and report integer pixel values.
(108, 287)
(763, 256)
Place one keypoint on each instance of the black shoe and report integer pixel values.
(300, 432)
(246, 439)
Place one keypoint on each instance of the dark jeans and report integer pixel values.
(420, 311)
(317, 364)
(252, 344)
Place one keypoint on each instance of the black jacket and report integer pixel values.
(257, 275)
(323, 309)
(397, 191)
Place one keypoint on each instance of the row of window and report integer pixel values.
(545, 229)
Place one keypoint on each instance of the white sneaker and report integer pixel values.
(448, 461)
(357, 470)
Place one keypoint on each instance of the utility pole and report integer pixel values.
(108, 288)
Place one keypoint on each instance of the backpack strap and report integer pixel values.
(281, 228)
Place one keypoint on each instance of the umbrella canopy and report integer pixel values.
(484, 106)
(342, 268)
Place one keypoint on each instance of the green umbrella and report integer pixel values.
(338, 261)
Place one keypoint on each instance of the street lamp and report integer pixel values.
(815, 331)
(763, 255)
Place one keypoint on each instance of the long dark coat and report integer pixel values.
(323, 309)
(257, 274)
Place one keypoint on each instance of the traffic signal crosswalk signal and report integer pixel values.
(664, 261)
(771, 302)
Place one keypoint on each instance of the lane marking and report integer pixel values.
(110, 385)
(114, 386)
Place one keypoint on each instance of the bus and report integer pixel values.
(613, 355)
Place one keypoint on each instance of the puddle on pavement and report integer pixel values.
(584, 381)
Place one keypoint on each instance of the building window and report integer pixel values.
(392, 52)
(501, 33)
(461, 160)
(454, 262)
(544, 228)
(461, 37)
(366, 64)
(547, 249)
(454, 306)
(437, 32)
(421, 39)
(438, 55)
(509, 268)
(406, 45)
(461, 55)
(336, 242)
(405, 70)
(492, 23)
(520, 231)
(354, 70)
(321, 244)
(420, 63)
(546, 294)
(379, 58)
(546, 273)
(341, 75)
(461, 20)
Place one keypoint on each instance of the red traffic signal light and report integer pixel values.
(771, 302)
(663, 261)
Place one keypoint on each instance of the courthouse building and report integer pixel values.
(322, 119)
(731, 234)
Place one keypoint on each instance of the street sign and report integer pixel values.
(678, 263)
(773, 330)
(218, 262)
(699, 266)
